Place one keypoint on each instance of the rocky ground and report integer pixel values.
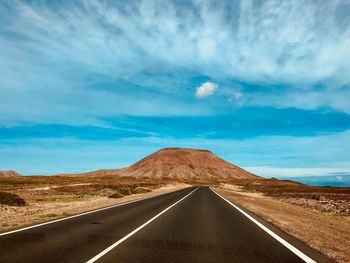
(327, 204)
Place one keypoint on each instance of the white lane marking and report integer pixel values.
(104, 252)
(82, 214)
(274, 235)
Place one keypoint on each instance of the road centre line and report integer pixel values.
(104, 252)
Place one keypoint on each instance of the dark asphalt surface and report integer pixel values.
(201, 228)
(81, 238)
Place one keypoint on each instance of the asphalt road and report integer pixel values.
(189, 225)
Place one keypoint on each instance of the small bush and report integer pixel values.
(11, 199)
(319, 197)
(124, 191)
(115, 195)
(105, 192)
(51, 215)
(140, 190)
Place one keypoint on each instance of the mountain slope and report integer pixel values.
(181, 164)
(9, 173)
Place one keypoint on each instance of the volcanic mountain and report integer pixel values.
(181, 164)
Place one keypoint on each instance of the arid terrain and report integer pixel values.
(319, 216)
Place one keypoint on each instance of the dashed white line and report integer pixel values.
(104, 252)
(271, 233)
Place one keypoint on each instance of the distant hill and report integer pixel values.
(9, 174)
(181, 164)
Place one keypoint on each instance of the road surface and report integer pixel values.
(189, 225)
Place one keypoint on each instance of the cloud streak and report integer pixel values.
(61, 48)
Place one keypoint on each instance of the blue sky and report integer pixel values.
(90, 84)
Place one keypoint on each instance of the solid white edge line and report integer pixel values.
(82, 214)
(271, 233)
(104, 252)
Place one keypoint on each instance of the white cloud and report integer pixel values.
(340, 178)
(205, 90)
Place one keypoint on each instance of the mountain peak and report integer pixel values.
(177, 149)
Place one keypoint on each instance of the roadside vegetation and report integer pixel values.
(11, 199)
(116, 195)
(128, 191)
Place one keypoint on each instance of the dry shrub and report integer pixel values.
(140, 190)
(115, 195)
(11, 199)
(124, 191)
(106, 192)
